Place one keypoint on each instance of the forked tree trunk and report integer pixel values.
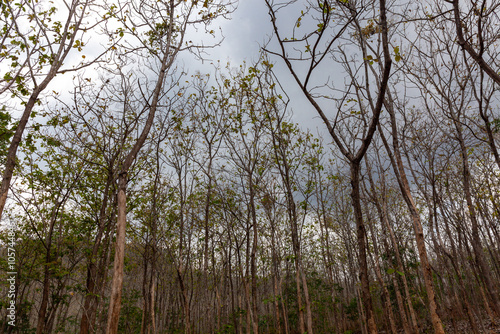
(117, 283)
(354, 158)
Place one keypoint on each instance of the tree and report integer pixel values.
(317, 45)
(247, 151)
(46, 193)
(477, 24)
(164, 24)
(37, 49)
(453, 98)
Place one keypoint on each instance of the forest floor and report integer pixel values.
(485, 325)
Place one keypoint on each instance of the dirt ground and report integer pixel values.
(486, 326)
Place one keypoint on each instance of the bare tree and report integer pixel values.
(475, 34)
(318, 45)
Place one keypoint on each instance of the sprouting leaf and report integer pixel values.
(397, 54)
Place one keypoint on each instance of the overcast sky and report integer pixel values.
(244, 34)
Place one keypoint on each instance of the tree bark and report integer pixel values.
(476, 240)
(383, 287)
(477, 56)
(398, 167)
(361, 241)
(90, 296)
(117, 283)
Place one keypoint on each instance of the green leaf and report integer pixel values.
(397, 54)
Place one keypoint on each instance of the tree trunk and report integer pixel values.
(42, 318)
(117, 283)
(398, 167)
(476, 240)
(385, 291)
(90, 296)
(253, 264)
(382, 212)
(361, 240)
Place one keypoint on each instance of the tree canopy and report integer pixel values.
(146, 197)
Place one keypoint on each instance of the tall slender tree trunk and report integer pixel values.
(42, 320)
(92, 270)
(185, 300)
(10, 162)
(404, 185)
(476, 240)
(307, 300)
(284, 309)
(383, 287)
(361, 241)
(280, 151)
(41, 323)
(383, 214)
(117, 283)
(299, 300)
(253, 260)
(452, 260)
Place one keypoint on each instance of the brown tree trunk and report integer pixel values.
(361, 240)
(361, 310)
(253, 264)
(117, 283)
(42, 313)
(283, 307)
(383, 287)
(90, 296)
(299, 301)
(41, 323)
(60, 54)
(382, 212)
(185, 300)
(398, 167)
(476, 240)
(307, 301)
(281, 152)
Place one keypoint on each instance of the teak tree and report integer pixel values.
(477, 24)
(318, 45)
(37, 49)
(160, 29)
